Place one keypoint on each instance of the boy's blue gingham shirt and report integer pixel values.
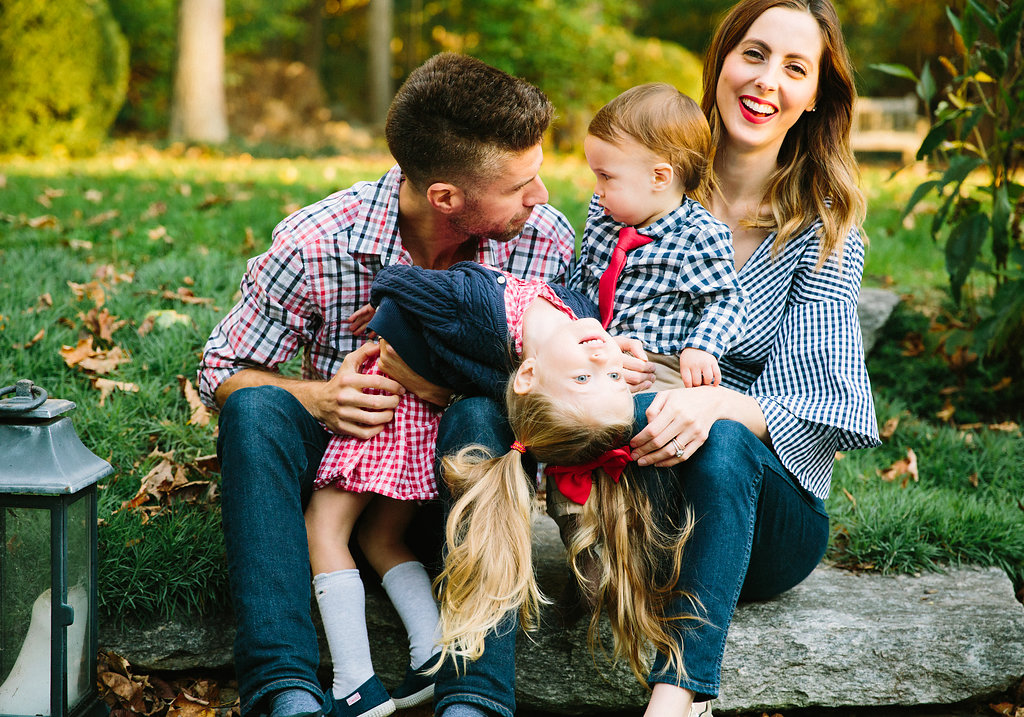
(801, 354)
(678, 291)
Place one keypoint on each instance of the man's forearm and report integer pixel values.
(301, 389)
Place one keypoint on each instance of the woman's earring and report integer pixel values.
(812, 109)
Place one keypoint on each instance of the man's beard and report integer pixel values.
(472, 223)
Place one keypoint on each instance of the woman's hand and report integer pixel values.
(680, 419)
(399, 370)
(637, 370)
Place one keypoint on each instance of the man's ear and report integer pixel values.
(446, 198)
(662, 176)
(523, 381)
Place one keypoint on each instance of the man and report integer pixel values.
(466, 138)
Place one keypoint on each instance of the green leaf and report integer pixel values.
(996, 60)
(932, 140)
(926, 85)
(1009, 28)
(970, 28)
(962, 249)
(959, 167)
(983, 13)
(1001, 210)
(919, 194)
(895, 70)
(976, 114)
(955, 22)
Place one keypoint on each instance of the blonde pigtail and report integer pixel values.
(488, 571)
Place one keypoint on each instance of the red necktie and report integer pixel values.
(629, 239)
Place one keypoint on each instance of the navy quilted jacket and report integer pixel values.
(450, 325)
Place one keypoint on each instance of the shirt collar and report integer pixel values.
(375, 228)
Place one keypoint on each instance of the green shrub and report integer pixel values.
(65, 71)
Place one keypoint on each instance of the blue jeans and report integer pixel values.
(758, 533)
(270, 449)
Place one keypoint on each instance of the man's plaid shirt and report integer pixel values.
(676, 292)
(318, 271)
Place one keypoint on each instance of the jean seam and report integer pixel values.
(470, 698)
(280, 684)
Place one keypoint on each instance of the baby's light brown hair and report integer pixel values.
(665, 121)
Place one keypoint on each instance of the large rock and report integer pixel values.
(838, 639)
(873, 310)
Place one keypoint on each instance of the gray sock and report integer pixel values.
(461, 709)
(342, 603)
(408, 587)
(294, 701)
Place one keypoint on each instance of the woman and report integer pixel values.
(753, 456)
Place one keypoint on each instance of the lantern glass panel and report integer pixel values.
(25, 610)
(79, 573)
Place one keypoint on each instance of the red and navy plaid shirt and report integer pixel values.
(318, 271)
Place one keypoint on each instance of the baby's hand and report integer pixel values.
(699, 368)
(360, 318)
(638, 371)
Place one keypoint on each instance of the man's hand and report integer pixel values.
(342, 403)
(638, 371)
(396, 368)
(699, 368)
(358, 321)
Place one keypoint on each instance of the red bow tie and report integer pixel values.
(575, 482)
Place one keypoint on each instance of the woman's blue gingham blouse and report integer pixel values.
(801, 354)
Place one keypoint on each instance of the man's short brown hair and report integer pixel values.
(455, 116)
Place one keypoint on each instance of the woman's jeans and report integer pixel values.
(757, 534)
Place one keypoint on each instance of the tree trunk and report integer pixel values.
(198, 112)
(381, 23)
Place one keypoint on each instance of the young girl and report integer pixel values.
(468, 327)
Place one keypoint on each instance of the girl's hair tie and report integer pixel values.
(518, 446)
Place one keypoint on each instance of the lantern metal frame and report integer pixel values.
(47, 431)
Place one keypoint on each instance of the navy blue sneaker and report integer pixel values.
(417, 687)
(370, 699)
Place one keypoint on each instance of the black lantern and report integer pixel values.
(48, 632)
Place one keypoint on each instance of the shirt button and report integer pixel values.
(501, 279)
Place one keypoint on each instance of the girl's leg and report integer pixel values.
(757, 533)
(381, 537)
(330, 517)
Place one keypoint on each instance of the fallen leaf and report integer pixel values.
(949, 390)
(946, 412)
(158, 233)
(90, 360)
(46, 221)
(200, 414)
(186, 296)
(32, 341)
(102, 217)
(904, 467)
(1002, 383)
(127, 691)
(102, 323)
(162, 319)
(83, 244)
(1006, 427)
(154, 210)
(93, 290)
(93, 195)
(42, 303)
(106, 386)
(889, 428)
(913, 344)
(107, 274)
(849, 497)
(973, 479)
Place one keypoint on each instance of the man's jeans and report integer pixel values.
(758, 533)
(270, 449)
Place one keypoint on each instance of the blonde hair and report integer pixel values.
(665, 121)
(817, 174)
(488, 569)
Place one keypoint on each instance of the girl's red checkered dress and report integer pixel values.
(399, 461)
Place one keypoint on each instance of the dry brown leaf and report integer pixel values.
(1002, 383)
(913, 344)
(889, 428)
(43, 303)
(946, 412)
(46, 221)
(103, 362)
(973, 479)
(32, 341)
(1005, 426)
(107, 274)
(159, 233)
(106, 387)
(102, 323)
(74, 355)
(127, 691)
(102, 217)
(904, 467)
(186, 296)
(849, 497)
(93, 195)
(200, 414)
(92, 290)
(154, 210)
(82, 244)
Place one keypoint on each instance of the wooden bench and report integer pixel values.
(888, 125)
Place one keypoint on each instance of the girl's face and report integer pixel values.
(769, 79)
(580, 363)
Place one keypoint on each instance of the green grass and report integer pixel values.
(217, 211)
